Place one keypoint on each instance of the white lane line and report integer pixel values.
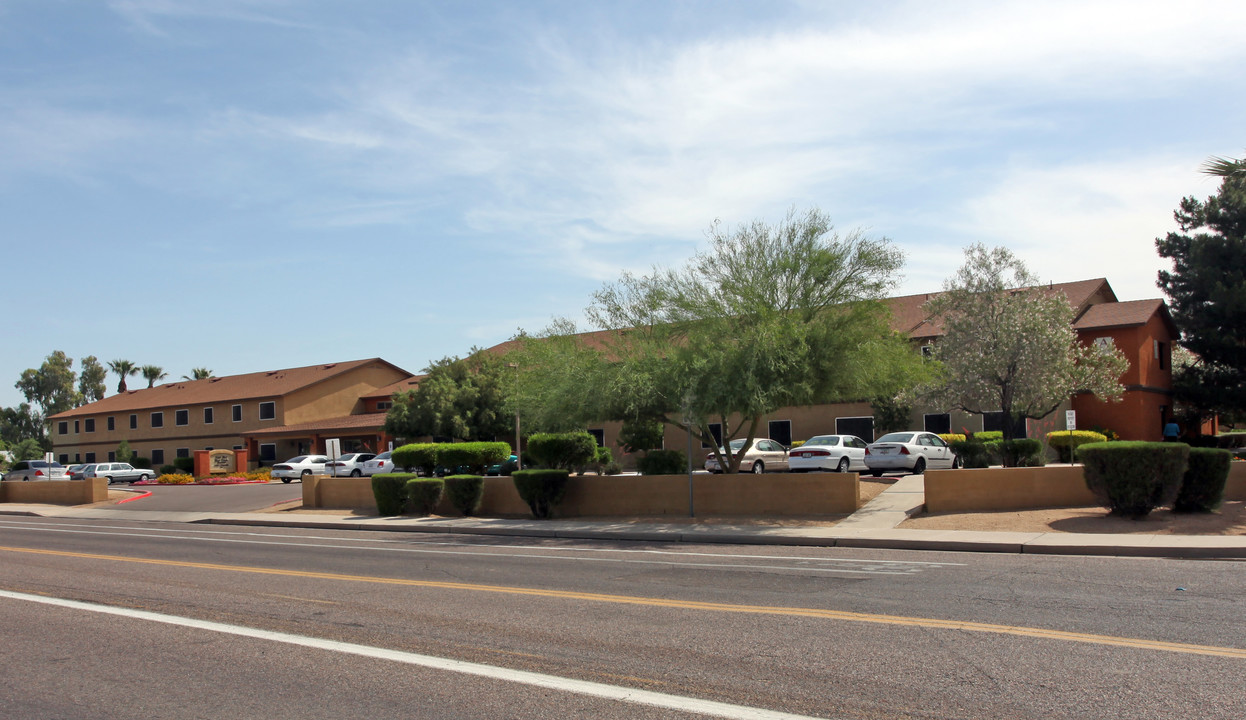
(852, 570)
(581, 687)
(437, 540)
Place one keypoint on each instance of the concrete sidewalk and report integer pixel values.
(874, 526)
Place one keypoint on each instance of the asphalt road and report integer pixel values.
(821, 632)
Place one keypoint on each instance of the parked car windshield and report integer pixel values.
(298, 459)
(823, 440)
(896, 437)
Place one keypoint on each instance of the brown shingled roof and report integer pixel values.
(269, 384)
(410, 383)
(1123, 314)
(908, 314)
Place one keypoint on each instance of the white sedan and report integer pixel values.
(348, 465)
(910, 452)
(829, 453)
(382, 463)
(297, 468)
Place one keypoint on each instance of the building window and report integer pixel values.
(862, 427)
(237, 447)
(157, 419)
(938, 423)
(716, 429)
(384, 405)
(268, 452)
(237, 412)
(90, 424)
(77, 426)
(927, 351)
(1161, 354)
(599, 434)
(62, 427)
(182, 452)
(268, 410)
(90, 457)
(181, 417)
(781, 432)
(209, 448)
(112, 423)
(207, 416)
(77, 458)
(157, 458)
(112, 456)
(134, 422)
(994, 421)
(64, 459)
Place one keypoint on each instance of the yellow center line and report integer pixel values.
(933, 623)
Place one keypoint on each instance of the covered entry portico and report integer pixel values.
(358, 433)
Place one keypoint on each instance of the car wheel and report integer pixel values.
(843, 465)
(110, 481)
(355, 473)
(876, 473)
(758, 468)
(306, 474)
(919, 467)
(142, 478)
(955, 462)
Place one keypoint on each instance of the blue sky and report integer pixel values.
(253, 184)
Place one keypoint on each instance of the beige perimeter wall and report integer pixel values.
(55, 492)
(632, 495)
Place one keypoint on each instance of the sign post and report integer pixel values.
(333, 448)
(1070, 423)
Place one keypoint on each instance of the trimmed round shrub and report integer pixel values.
(663, 462)
(1018, 452)
(184, 464)
(972, 453)
(563, 451)
(1065, 442)
(390, 491)
(988, 435)
(466, 492)
(424, 494)
(612, 468)
(168, 470)
(1133, 478)
(542, 490)
(140, 462)
(475, 456)
(416, 456)
(1202, 488)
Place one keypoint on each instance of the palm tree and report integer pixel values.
(1225, 167)
(125, 369)
(198, 374)
(153, 373)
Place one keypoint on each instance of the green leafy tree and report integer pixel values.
(891, 412)
(50, 389)
(641, 435)
(20, 423)
(152, 374)
(198, 374)
(1207, 294)
(91, 379)
(124, 453)
(122, 369)
(1009, 345)
(461, 399)
(28, 449)
(767, 316)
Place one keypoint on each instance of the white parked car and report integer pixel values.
(348, 465)
(910, 452)
(115, 472)
(379, 464)
(36, 470)
(829, 453)
(764, 454)
(297, 468)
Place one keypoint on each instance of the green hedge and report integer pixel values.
(466, 492)
(987, 436)
(423, 494)
(1202, 488)
(1133, 478)
(166, 469)
(663, 462)
(542, 490)
(390, 491)
(972, 454)
(140, 462)
(185, 464)
(563, 451)
(475, 456)
(1019, 452)
(416, 456)
(1065, 442)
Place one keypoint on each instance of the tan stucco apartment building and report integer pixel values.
(274, 414)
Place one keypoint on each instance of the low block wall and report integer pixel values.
(628, 495)
(985, 489)
(1235, 488)
(55, 492)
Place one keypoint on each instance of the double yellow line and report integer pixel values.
(1029, 632)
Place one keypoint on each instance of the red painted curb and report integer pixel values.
(136, 497)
